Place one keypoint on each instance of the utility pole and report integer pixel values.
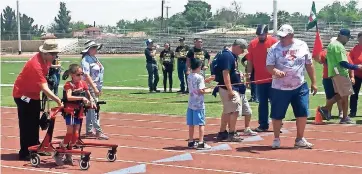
(167, 7)
(19, 34)
(163, 3)
(275, 16)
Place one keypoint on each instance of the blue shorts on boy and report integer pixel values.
(196, 106)
(195, 117)
(69, 120)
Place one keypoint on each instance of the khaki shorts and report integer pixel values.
(246, 109)
(342, 85)
(230, 106)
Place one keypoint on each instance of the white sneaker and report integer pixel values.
(303, 143)
(249, 132)
(276, 143)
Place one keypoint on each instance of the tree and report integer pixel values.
(62, 27)
(8, 25)
(338, 12)
(78, 26)
(197, 13)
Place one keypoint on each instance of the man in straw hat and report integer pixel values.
(26, 92)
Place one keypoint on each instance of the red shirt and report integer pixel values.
(325, 66)
(257, 55)
(356, 57)
(31, 77)
(81, 85)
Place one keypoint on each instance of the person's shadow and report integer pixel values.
(10, 157)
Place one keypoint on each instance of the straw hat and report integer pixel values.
(49, 46)
(89, 44)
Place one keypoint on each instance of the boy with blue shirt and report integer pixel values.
(196, 105)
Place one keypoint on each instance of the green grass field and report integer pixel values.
(131, 72)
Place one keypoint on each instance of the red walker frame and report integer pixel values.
(112, 152)
(47, 146)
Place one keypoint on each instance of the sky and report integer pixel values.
(109, 12)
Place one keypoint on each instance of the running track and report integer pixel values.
(144, 139)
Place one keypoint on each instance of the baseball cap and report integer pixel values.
(242, 43)
(262, 29)
(284, 30)
(345, 32)
(181, 39)
(359, 34)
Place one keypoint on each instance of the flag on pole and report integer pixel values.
(312, 22)
(318, 45)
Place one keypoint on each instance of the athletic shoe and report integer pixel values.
(90, 134)
(259, 129)
(101, 136)
(352, 114)
(249, 132)
(346, 121)
(68, 160)
(192, 144)
(276, 143)
(303, 143)
(325, 114)
(58, 159)
(203, 146)
(222, 136)
(234, 137)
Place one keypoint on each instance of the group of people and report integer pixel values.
(278, 67)
(167, 62)
(85, 86)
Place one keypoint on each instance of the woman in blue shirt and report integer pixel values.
(93, 75)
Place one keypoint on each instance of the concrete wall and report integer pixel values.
(26, 45)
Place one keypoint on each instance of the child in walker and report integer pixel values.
(74, 96)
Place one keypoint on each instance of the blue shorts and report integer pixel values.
(298, 98)
(328, 88)
(195, 117)
(69, 120)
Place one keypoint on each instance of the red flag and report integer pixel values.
(318, 45)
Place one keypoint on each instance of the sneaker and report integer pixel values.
(24, 158)
(58, 159)
(101, 136)
(249, 132)
(68, 160)
(222, 136)
(259, 129)
(346, 121)
(325, 114)
(90, 134)
(352, 114)
(276, 143)
(303, 143)
(192, 144)
(340, 115)
(234, 137)
(203, 146)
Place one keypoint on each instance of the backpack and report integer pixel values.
(214, 65)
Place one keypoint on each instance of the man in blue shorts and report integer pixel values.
(286, 61)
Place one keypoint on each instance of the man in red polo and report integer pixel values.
(26, 92)
(258, 49)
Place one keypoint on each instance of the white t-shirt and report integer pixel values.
(195, 83)
(291, 60)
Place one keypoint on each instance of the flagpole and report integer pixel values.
(19, 34)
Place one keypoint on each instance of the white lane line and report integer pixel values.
(156, 164)
(165, 138)
(30, 169)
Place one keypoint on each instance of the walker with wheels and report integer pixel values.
(47, 146)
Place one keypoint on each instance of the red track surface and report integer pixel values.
(146, 138)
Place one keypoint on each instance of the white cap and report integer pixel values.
(284, 30)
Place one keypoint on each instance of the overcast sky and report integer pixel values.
(109, 12)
